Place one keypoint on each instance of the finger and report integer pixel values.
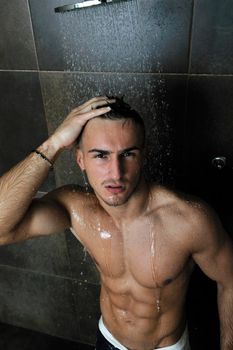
(101, 103)
(94, 103)
(94, 113)
(91, 101)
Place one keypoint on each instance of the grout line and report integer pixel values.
(191, 36)
(10, 267)
(33, 34)
(119, 73)
(19, 71)
(185, 152)
(138, 73)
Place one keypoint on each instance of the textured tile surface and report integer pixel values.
(88, 311)
(38, 302)
(202, 312)
(159, 99)
(82, 266)
(209, 135)
(17, 49)
(17, 338)
(46, 254)
(22, 123)
(209, 122)
(212, 46)
(141, 36)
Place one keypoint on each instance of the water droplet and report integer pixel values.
(105, 234)
(158, 306)
(77, 218)
(85, 253)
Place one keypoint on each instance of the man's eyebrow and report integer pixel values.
(96, 150)
(134, 148)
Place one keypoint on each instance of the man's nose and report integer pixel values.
(116, 169)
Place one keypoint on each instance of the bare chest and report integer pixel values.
(143, 252)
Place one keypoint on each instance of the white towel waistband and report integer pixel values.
(182, 344)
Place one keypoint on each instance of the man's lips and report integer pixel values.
(115, 189)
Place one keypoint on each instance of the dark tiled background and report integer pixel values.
(173, 62)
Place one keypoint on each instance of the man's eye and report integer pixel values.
(128, 154)
(100, 155)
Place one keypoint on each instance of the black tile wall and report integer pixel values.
(139, 49)
(82, 266)
(212, 44)
(132, 36)
(22, 123)
(17, 48)
(209, 122)
(209, 134)
(88, 310)
(45, 254)
(39, 302)
(18, 338)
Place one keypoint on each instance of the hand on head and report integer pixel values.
(67, 133)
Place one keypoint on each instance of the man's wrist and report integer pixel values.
(50, 149)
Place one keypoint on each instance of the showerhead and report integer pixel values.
(84, 4)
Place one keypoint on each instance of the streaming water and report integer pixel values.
(85, 254)
(86, 183)
(158, 300)
(106, 242)
(82, 54)
(152, 254)
(153, 261)
(77, 218)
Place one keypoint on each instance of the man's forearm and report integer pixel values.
(225, 306)
(20, 184)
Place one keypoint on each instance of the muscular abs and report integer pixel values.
(144, 277)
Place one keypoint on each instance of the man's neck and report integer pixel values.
(135, 206)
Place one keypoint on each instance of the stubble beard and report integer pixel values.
(114, 200)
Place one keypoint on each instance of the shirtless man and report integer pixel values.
(144, 238)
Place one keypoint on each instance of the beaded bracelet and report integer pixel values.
(44, 157)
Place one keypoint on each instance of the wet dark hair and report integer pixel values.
(120, 110)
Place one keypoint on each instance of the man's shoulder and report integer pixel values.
(72, 195)
(188, 218)
(176, 204)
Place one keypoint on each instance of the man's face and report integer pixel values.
(111, 154)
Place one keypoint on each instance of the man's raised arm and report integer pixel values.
(21, 217)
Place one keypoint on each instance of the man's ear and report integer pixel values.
(79, 159)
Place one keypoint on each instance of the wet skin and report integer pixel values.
(144, 268)
(143, 238)
(137, 236)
